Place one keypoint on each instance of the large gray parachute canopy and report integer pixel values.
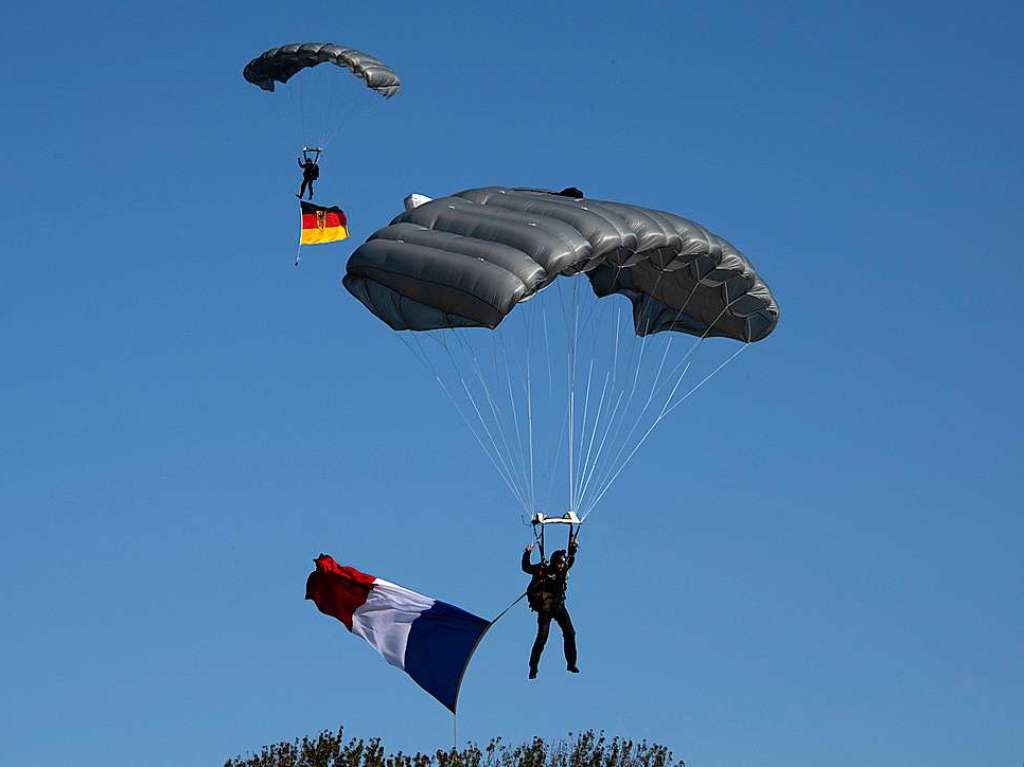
(278, 65)
(469, 259)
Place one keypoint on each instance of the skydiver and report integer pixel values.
(546, 594)
(310, 173)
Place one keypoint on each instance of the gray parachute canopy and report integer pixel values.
(280, 64)
(469, 259)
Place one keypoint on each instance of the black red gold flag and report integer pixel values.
(320, 224)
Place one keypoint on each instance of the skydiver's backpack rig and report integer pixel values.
(540, 599)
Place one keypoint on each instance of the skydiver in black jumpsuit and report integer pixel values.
(546, 594)
(310, 173)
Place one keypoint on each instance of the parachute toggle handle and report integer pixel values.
(569, 518)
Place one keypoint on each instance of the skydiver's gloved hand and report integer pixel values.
(529, 548)
(573, 547)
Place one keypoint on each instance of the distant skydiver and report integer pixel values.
(310, 171)
(546, 594)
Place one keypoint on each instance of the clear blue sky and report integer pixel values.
(829, 567)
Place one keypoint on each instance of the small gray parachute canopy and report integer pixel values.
(470, 259)
(278, 65)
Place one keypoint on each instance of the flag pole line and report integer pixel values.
(479, 639)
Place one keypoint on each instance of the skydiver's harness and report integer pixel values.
(539, 597)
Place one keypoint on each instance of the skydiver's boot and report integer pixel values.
(533, 672)
(572, 669)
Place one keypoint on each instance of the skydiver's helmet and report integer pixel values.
(558, 559)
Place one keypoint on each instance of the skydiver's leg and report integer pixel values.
(543, 627)
(302, 189)
(568, 637)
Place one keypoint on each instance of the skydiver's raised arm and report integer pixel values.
(529, 569)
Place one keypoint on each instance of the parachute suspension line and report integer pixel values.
(547, 347)
(515, 409)
(583, 437)
(504, 472)
(600, 447)
(593, 434)
(444, 387)
(509, 479)
(517, 452)
(611, 378)
(515, 421)
(547, 473)
(669, 408)
(664, 413)
(616, 428)
(615, 358)
(342, 112)
(425, 361)
(618, 325)
(647, 334)
(552, 474)
(302, 109)
(665, 410)
(685, 359)
(509, 453)
(572, 388)
(589, 469)
(585, 333)
(624, 444)
(634, 362)
(585, 341)
(507, 458)
(529, 412)
(668, 344)
(335, 116)
(639, 418)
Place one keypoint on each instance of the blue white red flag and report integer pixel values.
(430, 640)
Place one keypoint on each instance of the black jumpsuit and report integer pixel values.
(546, 593)
(310, 173)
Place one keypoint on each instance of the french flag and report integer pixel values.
(430, 640)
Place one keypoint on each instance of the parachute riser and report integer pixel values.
(540, 521)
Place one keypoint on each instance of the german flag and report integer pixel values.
(320, 224)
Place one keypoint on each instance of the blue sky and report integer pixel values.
(818, 562)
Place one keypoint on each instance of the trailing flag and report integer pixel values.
(320, 224)
(430, 640)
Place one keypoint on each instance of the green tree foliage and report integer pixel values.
(587, 749)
